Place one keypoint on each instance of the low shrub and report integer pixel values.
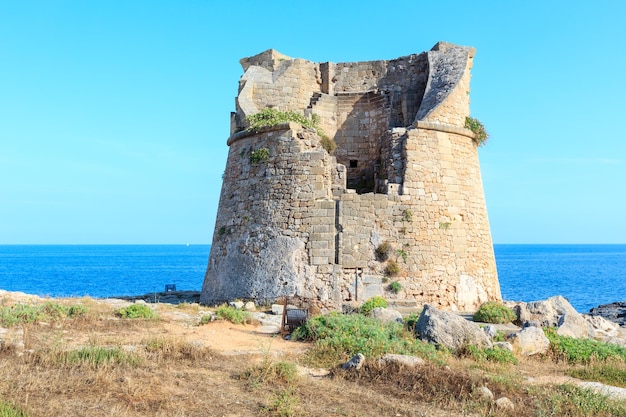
(269, 372)
(338, 337)
(494, 312)
(569, 400)
(478, 128)
(285, 403)
(497, 355)
(411, 320)
(582, 351)
(96, 357)
(328, 144)
(273, 117)
(383, 251)
(77, 310)
(233, 315)
(392, 268)
(372, 303)
(395, 287)
(136, 311)
(260, 155)
(20, 314)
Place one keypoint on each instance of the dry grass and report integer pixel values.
(100, 365)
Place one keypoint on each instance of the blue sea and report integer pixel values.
(101, 270)
(587, 275)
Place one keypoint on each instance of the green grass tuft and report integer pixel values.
(233, 315)
(494, 312)
(568, 400)
(97, 357)
(582, 351)
(8, 410)
(372, 303)
(395, 287)
(392, 268)
(478, 128)
(340, 336)
(136, 311)
(272, 373)
(496, 355)
(610, 373)
(20, 314)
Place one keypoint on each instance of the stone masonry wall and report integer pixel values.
(297, 225)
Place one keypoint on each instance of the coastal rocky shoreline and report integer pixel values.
(614, 312)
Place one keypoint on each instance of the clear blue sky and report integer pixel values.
(114, 114)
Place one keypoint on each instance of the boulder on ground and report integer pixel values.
(491, 331)
(548, 312)
(236, 304)
(249, 306)
(355, 363)
(504, 403)
(484, 392)
(386, 315)
(530, 341)
(449, 329)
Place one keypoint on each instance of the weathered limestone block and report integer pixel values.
(530, 341)
(573, 325)
(548, 312)
(449, 329)
(601, 328)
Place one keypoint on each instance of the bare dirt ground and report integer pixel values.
(184, 369)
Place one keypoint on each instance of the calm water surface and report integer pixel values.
(101, 270)
(588, 275)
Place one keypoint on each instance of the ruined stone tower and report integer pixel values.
(400, 200)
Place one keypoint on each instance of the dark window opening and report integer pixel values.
(354, 163)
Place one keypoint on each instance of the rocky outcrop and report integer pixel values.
(615, 312)
(449, 330)
(547, 312)
(558, 312)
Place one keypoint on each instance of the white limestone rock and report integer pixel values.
(530, 341)
(449, 330)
